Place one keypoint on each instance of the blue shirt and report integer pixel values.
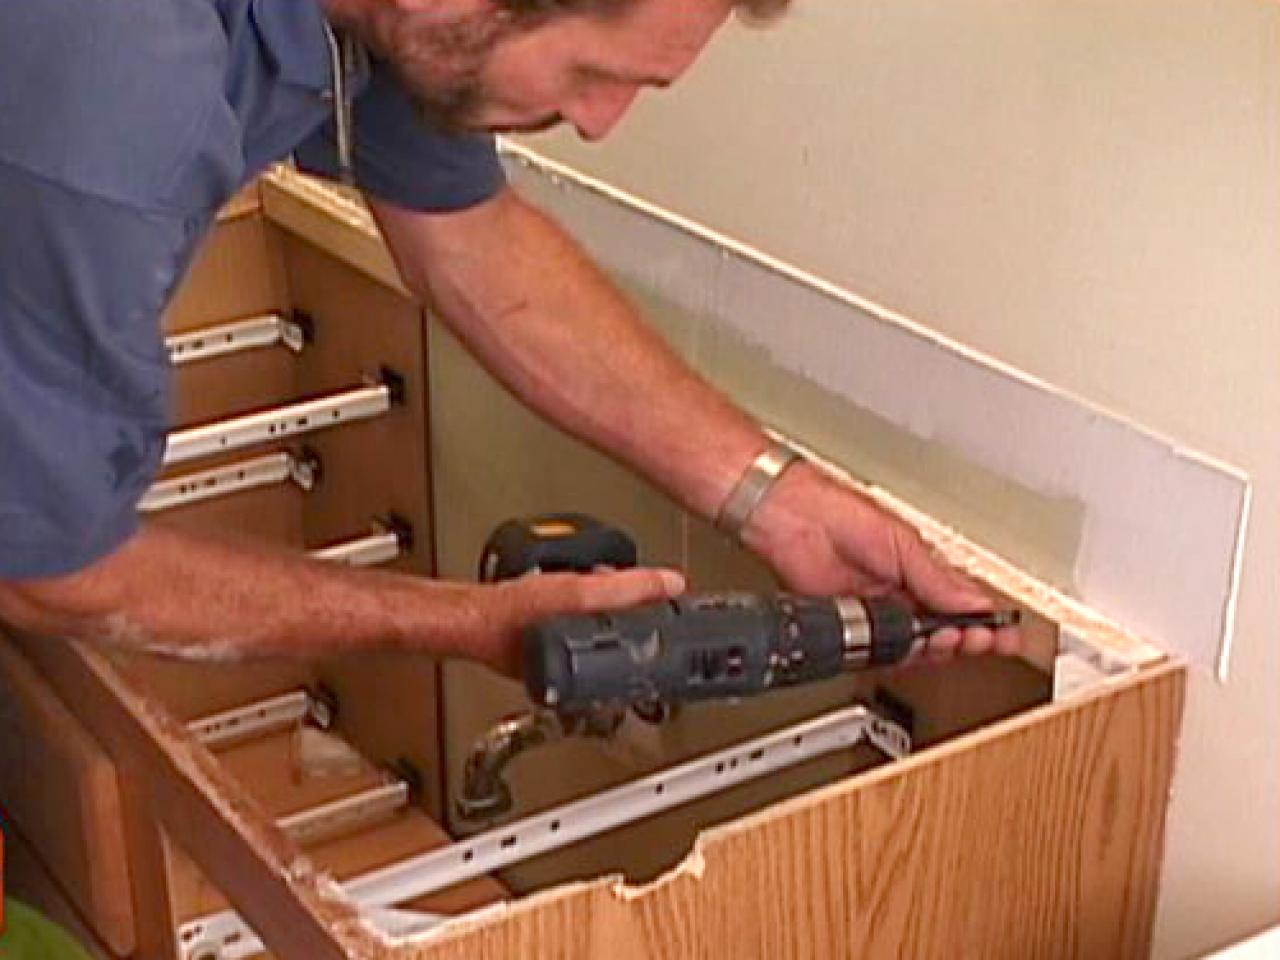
(124, 126)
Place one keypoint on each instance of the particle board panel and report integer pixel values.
(713, 561)
(59, 786)
(968, 693)
(493, 459)
(946, 701)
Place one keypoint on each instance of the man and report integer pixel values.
(124, 124)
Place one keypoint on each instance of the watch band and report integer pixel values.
(755, 482)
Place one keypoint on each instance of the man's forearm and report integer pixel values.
(181, 595)
(548, 324)
(529, 304)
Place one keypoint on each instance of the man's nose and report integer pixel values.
(597, 111)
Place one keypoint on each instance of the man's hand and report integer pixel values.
(823, 538)
(517, 604)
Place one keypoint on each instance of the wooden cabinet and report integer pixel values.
(1026, 821)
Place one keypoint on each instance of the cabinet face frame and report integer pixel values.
(1039, 835)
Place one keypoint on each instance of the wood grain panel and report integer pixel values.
(388, 708)
(236, 383)
(149, 866)
(333, 216)
(1038, 838)
(246, 202)
(237, 273)
(60, 788)
(372, 468)
(192, 690)
(377, 465)
(268, 514)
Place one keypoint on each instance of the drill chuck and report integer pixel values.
(876, 633)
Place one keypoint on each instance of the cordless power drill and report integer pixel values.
(710, 646)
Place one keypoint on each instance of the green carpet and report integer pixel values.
(29, 936)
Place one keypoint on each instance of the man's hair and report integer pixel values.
(752, 10)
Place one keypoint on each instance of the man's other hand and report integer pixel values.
(825, 539)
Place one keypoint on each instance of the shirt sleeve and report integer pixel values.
(401, 158)
(83, 370)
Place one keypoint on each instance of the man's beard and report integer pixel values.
(441, 62)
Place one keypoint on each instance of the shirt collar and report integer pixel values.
(292, 33)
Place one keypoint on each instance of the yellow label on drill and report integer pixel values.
(552, 529)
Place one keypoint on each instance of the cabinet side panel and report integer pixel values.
(1038, 838)
(237, 273)
(389, 704)
(60, 788)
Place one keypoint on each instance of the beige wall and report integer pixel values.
(1089, 190)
